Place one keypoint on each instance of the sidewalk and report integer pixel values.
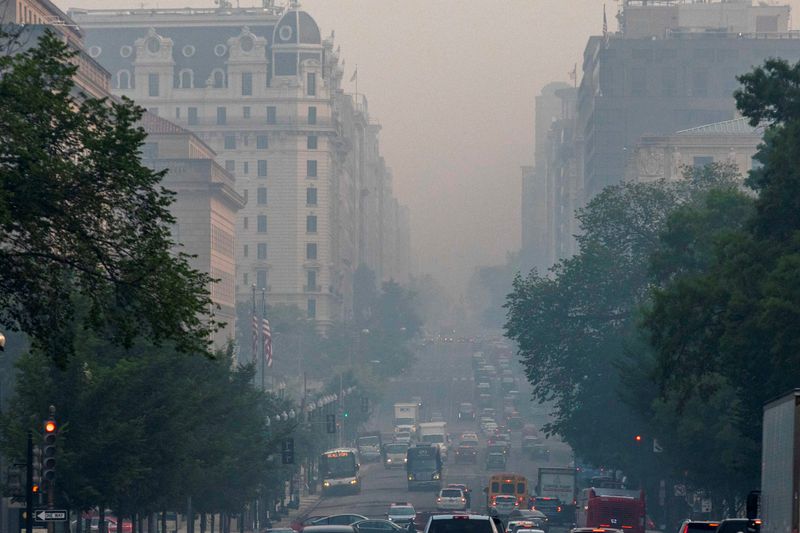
(306, 508)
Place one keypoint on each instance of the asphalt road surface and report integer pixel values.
(443, 378)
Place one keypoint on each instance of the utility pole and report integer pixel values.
(29, 487)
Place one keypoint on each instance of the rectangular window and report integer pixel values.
(311, 168)
(272, 114)
(230, 142)
(246, 111)
(311, 250)
(152, 84)
(192, 116)
(262, 168)
(701, 161)
(244, 222)
(177, 112)
(222, 116)
(262, 223)
(311, 224)
(262, 142)
(261, 279)
(245, 250)
(247, 84)
(246, 279)
(312, 115)
(262, 196)
(311, 84)
(262, 250)
(311, 142)
(311, 280)
(311, 308)
(245, 168)
(311, 196)
(244, 195)
(230, 165)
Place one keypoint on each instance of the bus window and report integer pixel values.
(495, 487)
(521, 488)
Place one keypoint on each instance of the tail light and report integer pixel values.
(463, 500)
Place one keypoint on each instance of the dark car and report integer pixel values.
(301, 524)
(466, 411)
(466, 453)
(377, 526)
(337, 520)
(551, 507)
(739, 525)
(698, 526)
(496, 461)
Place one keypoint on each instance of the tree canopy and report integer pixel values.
(80, 214)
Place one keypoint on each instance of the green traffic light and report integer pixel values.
(346, 414)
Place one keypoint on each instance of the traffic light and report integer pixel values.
(287, 453)
(365, 404)
(330, 422)
(638, 439)
(49, 450)
(346, 414)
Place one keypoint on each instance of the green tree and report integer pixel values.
(577, 328)
(80, 213)
(725, 333)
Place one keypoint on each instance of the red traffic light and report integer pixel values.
(50, 426)
(638, 438)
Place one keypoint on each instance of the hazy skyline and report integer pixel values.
(452, 83)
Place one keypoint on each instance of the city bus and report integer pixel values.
(509, 485)
(338, 470)
(612, 508)
(424, 467)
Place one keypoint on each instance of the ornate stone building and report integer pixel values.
(262, 88)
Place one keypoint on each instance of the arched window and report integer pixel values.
(123, 79)
(186, 79)
(218, 79)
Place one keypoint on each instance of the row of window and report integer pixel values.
(262, 140)
(262, 281)
(185, 80)
(262, 166)
(261, 223)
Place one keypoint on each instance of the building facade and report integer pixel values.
(666, 157)
(262, 88)
(671, 67)
(205, 207)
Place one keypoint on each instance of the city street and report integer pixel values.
(442, 377)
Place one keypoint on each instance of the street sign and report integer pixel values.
(51, 515)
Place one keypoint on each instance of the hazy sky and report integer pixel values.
(453, 84)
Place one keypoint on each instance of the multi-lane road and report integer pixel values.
(443, 378)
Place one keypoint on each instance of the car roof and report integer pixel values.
(329, 528)
(461, 515)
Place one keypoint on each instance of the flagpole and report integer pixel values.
(264, 340)
(255, 331)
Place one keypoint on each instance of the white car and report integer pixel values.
(451, 499)
(401, 513)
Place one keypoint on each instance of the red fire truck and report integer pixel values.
(613, 508)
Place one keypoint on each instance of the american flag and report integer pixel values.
(265, 329)
(255, 338)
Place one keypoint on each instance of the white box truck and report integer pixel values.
(406, 415)
(435, 433)
(780, 465)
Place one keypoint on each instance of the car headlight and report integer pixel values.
(388, 460)
(405, 459)
(326, 483)
(410, 477)
(354, 482)
(436, 475)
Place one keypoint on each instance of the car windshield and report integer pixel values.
(451, 493)
(396, 448)
(402, 511)
(472, 443)
(369, 441)
(433, 439)
(505, 499)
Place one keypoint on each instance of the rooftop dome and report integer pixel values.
(296, 27)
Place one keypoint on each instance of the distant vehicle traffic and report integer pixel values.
(496, 461)
(394, 454)
(509, 484)
(461, 523)
(502, 505)
(401, 513)
(369, 446)
(424, 467)
(614, 508)
(451, 499)
(339, 471)
(466, 411)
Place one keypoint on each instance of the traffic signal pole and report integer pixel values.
(29, 486)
